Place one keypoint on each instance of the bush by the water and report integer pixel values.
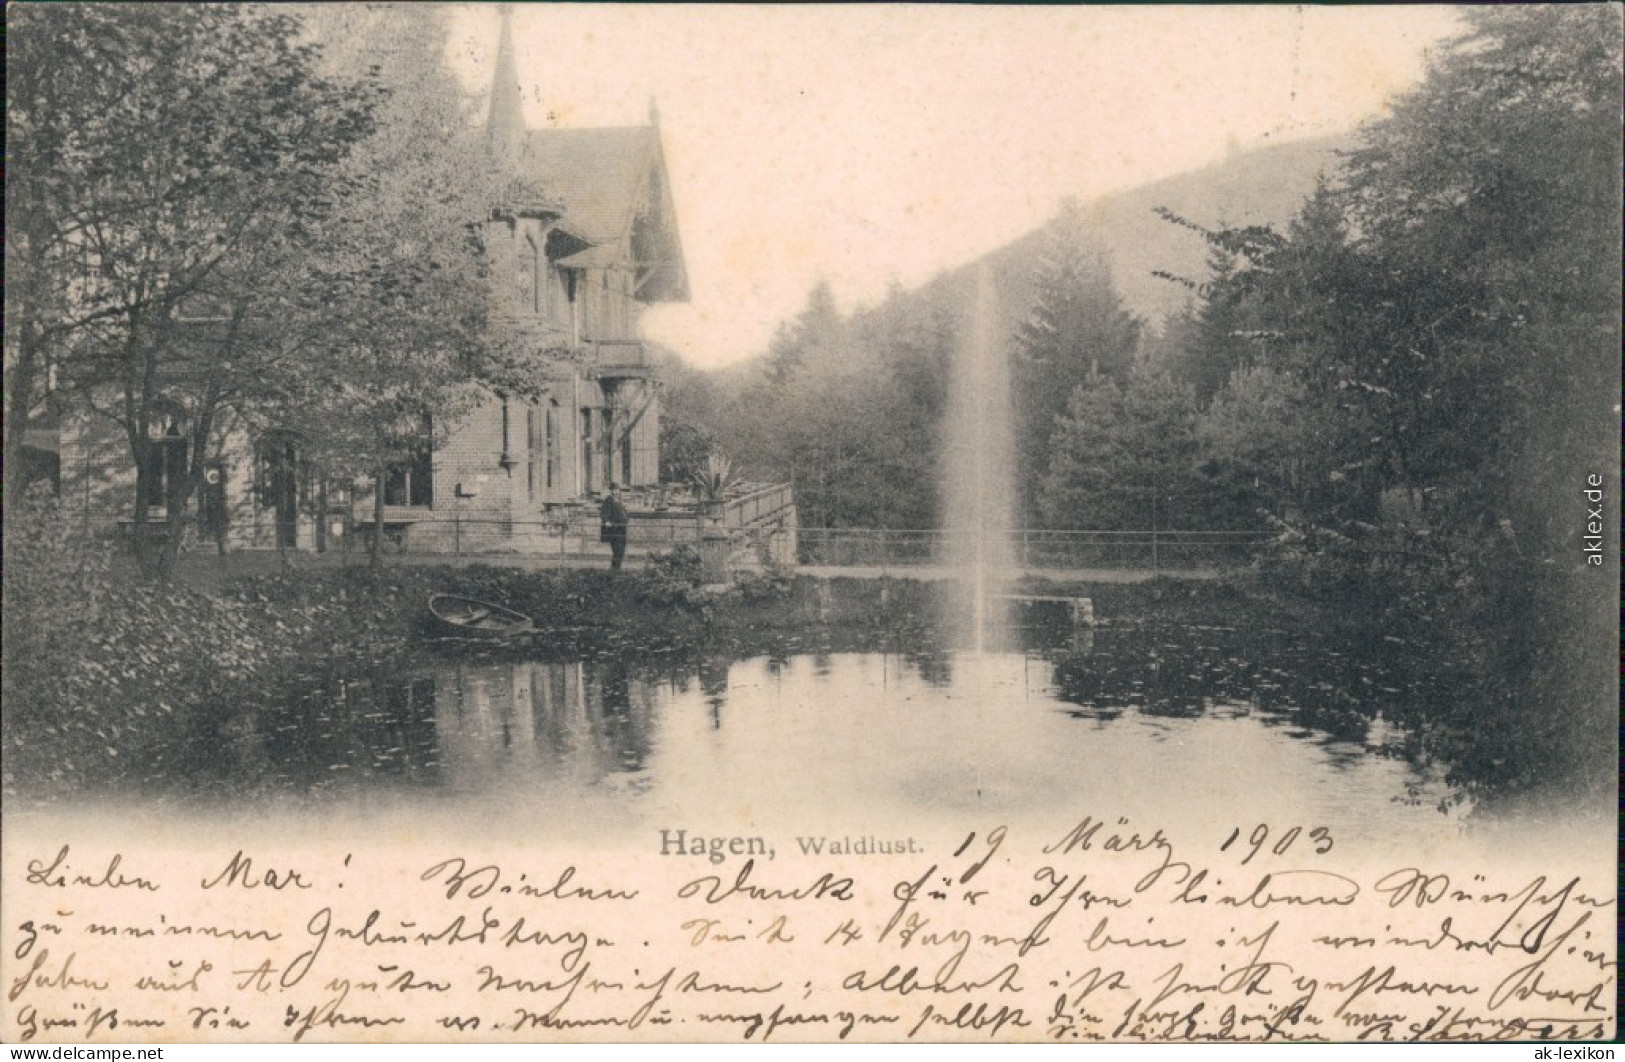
(1515, 689)
(112, 680)
(92, 657)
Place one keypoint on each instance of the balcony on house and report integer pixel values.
(618, 359)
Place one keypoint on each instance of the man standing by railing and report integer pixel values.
(612, 521)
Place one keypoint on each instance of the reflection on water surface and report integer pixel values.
(1149, 724)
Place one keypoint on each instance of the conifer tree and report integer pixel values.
(1077, 328)
(1125, 457)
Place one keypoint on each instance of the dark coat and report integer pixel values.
(612, 519)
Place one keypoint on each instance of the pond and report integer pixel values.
(1153, 725)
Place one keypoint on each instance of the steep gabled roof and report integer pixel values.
(606, 180)
(596, 173)
(608, 187)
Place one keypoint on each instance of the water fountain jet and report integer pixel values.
(978, 471)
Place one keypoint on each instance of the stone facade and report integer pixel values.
(586, 238)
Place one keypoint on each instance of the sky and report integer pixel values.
(875, 144)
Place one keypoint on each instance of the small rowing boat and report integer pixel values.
(471, 617)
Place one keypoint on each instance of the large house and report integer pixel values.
(585, 238)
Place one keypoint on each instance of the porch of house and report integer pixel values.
(759, 517)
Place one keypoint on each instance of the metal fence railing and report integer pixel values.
(659, 520)
(1032, 549)
(756, 520)
(838, 548)
(568, 536)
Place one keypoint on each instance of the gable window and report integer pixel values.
(623, 304)
(602, 328)
(532, 277)
(552, 293)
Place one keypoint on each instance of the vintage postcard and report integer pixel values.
(569, 522)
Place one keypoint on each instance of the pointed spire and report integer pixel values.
(505, 126)
(654, 112)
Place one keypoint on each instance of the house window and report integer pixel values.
(276, 475)
(626, 456)
(283, 481)
(623, 304)
(551, 293)
(530, 276)
(601, 325)
(538, 457)
(606, 444)
(166, 459)
(551, 441)
(588, 448)
(411, 481)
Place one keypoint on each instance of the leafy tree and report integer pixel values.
(769, 421)
(46, 309)
(1490, 198)
(684, 447)
(1443, 301)
(813, 335)
(791, 421)
(854, 426)
(1225, 331)
(1490, 202)
(193, 154)
(1448, 313)
(1219, 341)
(913, 341)
(400, 331)
(691, 403)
